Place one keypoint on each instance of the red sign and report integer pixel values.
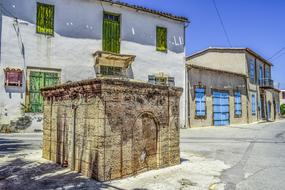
(13, 77)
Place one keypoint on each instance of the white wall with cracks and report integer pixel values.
(78, 34)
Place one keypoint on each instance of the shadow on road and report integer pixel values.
(20, 174)
(8, 146)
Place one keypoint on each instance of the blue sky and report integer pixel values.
(257, 24)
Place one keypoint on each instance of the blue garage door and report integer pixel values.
(221, 108)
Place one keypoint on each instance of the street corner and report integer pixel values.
(194, 172)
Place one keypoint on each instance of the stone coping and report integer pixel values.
(96, 86)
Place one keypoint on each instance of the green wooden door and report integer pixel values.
(39, 80)
(51, 79)
(111, 33)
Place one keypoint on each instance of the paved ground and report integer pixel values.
(255, 153)
(241, 157)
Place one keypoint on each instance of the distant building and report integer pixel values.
(282, 97)
(230, 86)
(48, 42)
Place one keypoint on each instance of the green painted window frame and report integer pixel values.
(110, 71)
(169, 81)
(161, 39)
(111, 42)
(45, 19)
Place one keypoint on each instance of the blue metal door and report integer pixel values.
(221, 112)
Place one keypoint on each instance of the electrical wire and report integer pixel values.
(277, 53)
(277, 57)
(222, 23)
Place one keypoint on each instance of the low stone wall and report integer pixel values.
(109, 129)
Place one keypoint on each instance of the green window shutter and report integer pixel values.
(40, 19)
(109, 71)
(111, 33)
(161, 39)
(45, 19)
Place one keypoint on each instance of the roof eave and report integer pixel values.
(258, 56)
(147, 10)
(223, 49)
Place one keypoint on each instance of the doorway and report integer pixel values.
(144, 143)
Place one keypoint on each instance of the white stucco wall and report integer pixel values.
(78, 33)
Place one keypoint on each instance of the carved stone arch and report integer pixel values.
(145, 142)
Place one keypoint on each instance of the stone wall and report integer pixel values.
(109, 129)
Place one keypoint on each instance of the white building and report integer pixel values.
(44, 42)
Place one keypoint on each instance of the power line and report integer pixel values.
(277, 57)
(277, 53)
(222, 23)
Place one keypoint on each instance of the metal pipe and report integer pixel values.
(186, 96)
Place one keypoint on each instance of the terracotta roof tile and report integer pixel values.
(152, 11)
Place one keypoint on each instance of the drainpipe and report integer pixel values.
(185, 81)
(256, 89)
(247, 97)
(185, 94)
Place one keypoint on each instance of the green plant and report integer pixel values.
(282, 109)
(24, 109)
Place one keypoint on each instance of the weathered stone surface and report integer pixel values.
(114, 129)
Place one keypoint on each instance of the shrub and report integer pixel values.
(282, 109)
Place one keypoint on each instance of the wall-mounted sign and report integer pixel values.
(13, 77)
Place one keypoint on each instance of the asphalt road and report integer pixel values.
(255, 153)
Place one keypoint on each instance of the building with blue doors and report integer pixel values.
(229, 86)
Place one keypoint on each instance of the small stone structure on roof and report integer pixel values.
(109, 128)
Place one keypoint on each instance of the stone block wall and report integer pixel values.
(108, 129)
